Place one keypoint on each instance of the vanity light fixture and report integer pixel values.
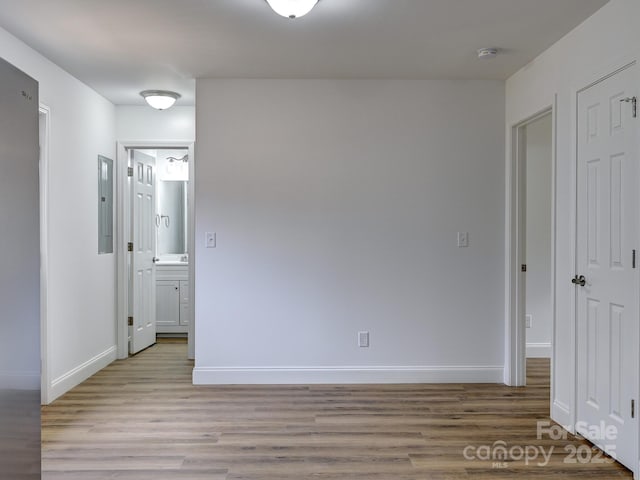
(160, 99)
(292, 8)
(184, 159)
(177, 168)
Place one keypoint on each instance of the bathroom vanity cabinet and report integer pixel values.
(172, 298)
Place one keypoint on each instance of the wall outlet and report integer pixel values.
(527, 320)
(210, 240)
(463, 239)
(363, 339)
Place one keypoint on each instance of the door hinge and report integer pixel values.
(129, 171)
(130, 321)
(633, 408)
(130, 246)
(633, 259)
(634, 105)
(523, 267)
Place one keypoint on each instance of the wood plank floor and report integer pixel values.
(141, 419)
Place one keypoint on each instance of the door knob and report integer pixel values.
(579, 280)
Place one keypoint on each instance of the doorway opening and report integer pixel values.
(538, 138)
(155, 245)
(530, 253)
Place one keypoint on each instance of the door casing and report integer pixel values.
(515, 252)
(123, 235)
(45, 340)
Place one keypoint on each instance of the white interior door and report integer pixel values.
(607, 303)
(144, 248)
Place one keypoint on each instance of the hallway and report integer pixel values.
(141, 419)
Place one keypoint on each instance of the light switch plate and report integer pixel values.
(463, 239)
(210, 239)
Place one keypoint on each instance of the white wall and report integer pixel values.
(336, 205)
(603, 43)
(136, 123)
(539, 152)
(81, 303)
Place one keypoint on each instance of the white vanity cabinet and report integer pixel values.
(172, 298)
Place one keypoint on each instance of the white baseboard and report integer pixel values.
(76, 376)
(538, 350)
(345, 375)
(19, 381)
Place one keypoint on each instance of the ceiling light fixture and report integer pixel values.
(292, 8)
(485, 53)
(160, 99)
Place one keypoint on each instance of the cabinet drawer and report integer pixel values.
(172, 273)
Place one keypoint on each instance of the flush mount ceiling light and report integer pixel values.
(485, 53)
(292, 8)
(160, 99)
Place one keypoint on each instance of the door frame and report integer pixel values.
(45, 337)
(123, 236)
(515, 374)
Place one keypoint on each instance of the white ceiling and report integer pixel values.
(120, 47)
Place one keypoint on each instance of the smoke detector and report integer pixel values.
(487, 53)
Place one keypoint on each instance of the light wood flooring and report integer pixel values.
(141, 419)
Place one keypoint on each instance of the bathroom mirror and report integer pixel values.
(171, 220)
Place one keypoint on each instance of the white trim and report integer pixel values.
(515, 254)
(539, 350)
(564, 411)
(20, 381)
(191, 232)
(45, 338)
(79, 374)
(123, 235)
(346, 375)
(554, 240)
(122, 226)
(515, 374)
